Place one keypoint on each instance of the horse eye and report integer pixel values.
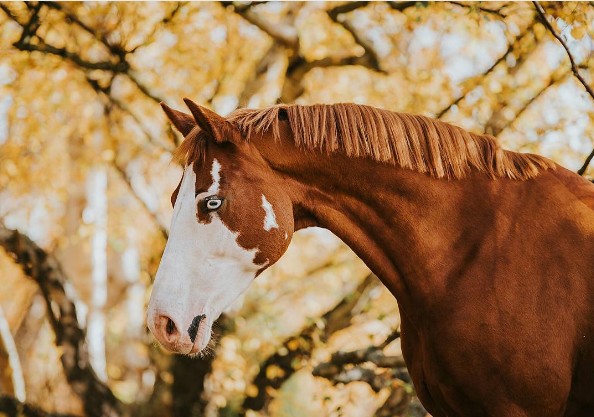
(213, 202)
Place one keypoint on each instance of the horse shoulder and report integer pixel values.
(579, 186)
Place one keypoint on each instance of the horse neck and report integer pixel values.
(413, 231)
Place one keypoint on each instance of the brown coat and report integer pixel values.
(489, 253)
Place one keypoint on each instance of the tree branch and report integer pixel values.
(44, 269)
(143, 88)
(117, 67)
(273, 62)
(299, 66)
(497, 131)
(23, 45)
(30, 28)
(402, 5)
(296, 349)
(284, 35)
(114, 49)
(401, 402)
(164, 146)
(502, 58)
(105, 91)
(377, 380)
(346, 367)
(165, 21)
(372, 354)
(476, 6)
(189, 375)
(9, 13)
(574, 67)
(499, 119)
(584, 167)
(11, 407)
(117, 50)
(370, 56)
(121, 170)
(346, 8)
(153, 215)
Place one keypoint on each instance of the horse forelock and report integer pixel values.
(192, 149)
(415, 142)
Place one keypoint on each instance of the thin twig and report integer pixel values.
(120, 66)
(165, 21)
(105, 91)
(502, 58)
(345, 367)
(143, 88)
(115, 49)
(152, 214)
(117, 67)
(474, 6)
(584, 167)
(574, 67)
(552, 82)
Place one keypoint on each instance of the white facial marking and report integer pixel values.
(270, 219)
(216, 177)
(203, 269)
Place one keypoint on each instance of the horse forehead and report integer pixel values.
(208, 174)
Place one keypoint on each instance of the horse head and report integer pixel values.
(231, 220)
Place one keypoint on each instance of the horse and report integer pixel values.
(488, 252)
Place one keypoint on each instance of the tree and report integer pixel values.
(86, 174)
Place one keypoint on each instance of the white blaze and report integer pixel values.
(216, 177)
(270, 219)
(203, 269)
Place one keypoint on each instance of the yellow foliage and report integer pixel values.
(86, 98)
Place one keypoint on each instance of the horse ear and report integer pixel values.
(182, 121)
(216, 126)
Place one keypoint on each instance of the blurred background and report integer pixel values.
(86, 176)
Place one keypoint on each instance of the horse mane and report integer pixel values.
(410, 141)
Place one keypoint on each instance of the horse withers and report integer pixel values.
(489, 253)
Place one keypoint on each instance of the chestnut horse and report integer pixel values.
(489, 253)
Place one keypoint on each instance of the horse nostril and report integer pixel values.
(193, 329)
(170, 326)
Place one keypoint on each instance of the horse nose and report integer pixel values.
(170, 335)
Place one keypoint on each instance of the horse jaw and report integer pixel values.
(202, 271)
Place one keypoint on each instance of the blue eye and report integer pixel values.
(212, 202)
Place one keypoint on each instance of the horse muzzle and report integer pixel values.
(176, 337)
